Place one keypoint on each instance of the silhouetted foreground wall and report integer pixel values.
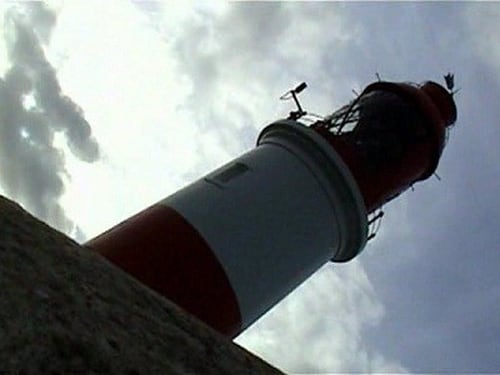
(64, 309)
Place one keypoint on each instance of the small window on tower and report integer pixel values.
(230, 172)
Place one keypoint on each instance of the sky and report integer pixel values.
(108, 107)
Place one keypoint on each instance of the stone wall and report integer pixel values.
(65, 309)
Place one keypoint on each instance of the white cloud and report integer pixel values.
(34, 108)
(173, 100)
(319, 327)
(238, 61)
(122, 74)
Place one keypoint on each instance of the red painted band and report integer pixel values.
(162, 250)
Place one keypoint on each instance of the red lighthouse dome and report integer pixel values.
(391, 136)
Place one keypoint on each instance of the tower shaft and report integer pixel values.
(231, 245)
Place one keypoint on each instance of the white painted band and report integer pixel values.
(271, 218)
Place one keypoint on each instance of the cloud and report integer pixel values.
(426, 287)
(319, 327)
(429, 263)
(210, 82)
(481, 20)
(33, 109)
(238, 60)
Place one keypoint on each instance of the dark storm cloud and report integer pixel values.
(33, 109)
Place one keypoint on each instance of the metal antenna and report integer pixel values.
(450, 81)
(294, 115)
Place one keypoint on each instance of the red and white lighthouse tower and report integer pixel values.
(232, 244)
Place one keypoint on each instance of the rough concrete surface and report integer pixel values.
(64, 309)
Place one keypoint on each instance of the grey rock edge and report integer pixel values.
(65, 309)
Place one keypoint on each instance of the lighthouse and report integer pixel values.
(232, 244)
